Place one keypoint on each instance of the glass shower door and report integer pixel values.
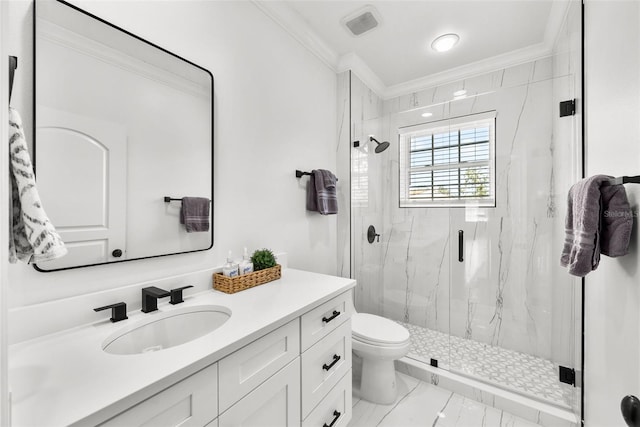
(511, 305)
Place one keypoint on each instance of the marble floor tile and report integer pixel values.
(514, 370)
(421, 404)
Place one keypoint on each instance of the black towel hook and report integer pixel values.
(13, 64)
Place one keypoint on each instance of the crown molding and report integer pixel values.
(494, 63)
(353, 62)
(298, 28)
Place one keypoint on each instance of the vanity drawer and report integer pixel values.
(324, 364)
(247, 368)
(335, 406)
(191, 402)
(323, 319)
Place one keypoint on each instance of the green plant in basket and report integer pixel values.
(263, 258)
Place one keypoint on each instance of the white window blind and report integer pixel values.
(449, 163)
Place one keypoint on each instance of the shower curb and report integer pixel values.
(533, 410)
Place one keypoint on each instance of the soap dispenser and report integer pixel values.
(246, 266)
(230, 269)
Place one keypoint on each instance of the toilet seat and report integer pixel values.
(378, 331)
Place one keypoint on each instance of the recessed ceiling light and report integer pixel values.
(461, 92)
(445, 42)
(427, 114)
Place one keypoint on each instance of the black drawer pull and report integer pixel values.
(330, 365)
(336, 415)
(333, 316)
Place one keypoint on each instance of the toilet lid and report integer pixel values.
(375, 329)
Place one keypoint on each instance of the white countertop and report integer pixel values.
(66, 378)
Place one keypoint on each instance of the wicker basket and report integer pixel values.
(231, 285)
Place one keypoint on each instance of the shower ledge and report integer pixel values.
(525, 407)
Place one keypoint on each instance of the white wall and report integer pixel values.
(4, 218)
(275, 111)
(612, 293)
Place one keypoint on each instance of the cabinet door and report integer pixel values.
(191, 402)
(275, 403)
(247, 368)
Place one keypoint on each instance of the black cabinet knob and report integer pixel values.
(117, 253)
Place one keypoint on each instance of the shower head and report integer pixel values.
(381, 145)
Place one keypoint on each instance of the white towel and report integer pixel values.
(32, 236)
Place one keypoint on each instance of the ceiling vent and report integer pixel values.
(361, 21)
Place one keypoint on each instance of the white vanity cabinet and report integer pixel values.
(190, 402)
(319, 377)
(326, 363)
(283, 358)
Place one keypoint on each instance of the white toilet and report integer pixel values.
(378, 342)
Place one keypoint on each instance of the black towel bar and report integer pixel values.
(623, 180)
(300, 174)
(168, 199)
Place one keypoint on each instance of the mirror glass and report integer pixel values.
(120, 124)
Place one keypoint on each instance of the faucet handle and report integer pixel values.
(118, 311)
(176, 294)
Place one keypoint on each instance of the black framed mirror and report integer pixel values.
(123, 130)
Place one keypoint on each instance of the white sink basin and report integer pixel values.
(165, 330)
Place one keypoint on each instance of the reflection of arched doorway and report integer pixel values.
(89, 213)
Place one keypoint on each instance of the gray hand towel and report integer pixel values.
(327, 197)
(312, 196)
(194, 214)
(598, 220)
(617, 221)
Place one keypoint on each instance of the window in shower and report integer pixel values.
(449, 163)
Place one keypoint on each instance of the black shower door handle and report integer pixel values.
(460, 245)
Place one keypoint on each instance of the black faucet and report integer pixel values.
(118, 311)
(150, 297)
(176, 294)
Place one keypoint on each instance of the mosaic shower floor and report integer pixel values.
(521, 372)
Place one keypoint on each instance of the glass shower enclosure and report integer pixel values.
(469, 204)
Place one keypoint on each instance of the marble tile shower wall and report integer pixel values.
(507, 291)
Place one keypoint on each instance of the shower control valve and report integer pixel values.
(372, 235)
